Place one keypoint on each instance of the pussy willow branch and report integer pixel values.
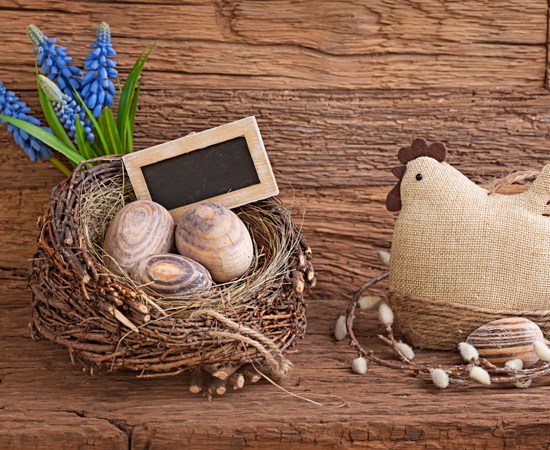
(456, 372)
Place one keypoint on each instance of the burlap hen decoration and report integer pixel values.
(454, 241)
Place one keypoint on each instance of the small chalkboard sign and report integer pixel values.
(226, 165)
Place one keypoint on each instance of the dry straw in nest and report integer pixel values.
(111, 321)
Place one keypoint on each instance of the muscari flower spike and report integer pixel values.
(66, 108)
(10, 105)
(54, 62)
(97, 88)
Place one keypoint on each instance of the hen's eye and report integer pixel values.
(418, 176)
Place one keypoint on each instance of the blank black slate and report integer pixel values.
(201, 174)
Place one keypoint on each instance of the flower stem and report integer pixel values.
(62, 167)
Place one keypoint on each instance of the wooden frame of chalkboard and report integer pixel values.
(227, 165)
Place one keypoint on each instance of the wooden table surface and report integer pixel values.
(337, 87)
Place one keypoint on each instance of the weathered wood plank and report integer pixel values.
(376, 432)
(331, 152)
(333, 27)
(355, 134)
(288, 45)
(18, 230)
(316, 75)
(384, 408)
(42, 430)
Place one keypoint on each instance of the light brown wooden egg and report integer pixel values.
(505, 339)
(169, 275)
(215, 237)
(140, 229)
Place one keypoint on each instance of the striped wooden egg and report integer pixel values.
(505, 339)
(169, 275)
(215, 237)
(140, 229)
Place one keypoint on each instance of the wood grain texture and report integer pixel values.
(217, 238)
(506, 339)
(331, 152)
(337, 88)
(296, 45)
(22, 429)
(384, 409)
(140, 229)
(171, 274)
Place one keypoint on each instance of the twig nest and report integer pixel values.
(506, 339)
(215, 237)
(172, 275)
(140, 229)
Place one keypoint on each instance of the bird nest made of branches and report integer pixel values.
(109, 321)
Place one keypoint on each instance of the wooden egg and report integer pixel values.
(140, 229)
(215, 237)
(169, 274)
(505, 339)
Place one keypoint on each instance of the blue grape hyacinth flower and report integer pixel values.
(66, 108)
(54, 62)
(10, 105)
(97, 88)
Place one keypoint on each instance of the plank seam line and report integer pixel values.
(127, 430)
(19, 9)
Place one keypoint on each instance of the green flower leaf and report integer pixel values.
(108, 125)
(129, 96)
(47, 138)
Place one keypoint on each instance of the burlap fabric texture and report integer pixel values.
(456, 242)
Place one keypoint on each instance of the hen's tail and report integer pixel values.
(541, 187)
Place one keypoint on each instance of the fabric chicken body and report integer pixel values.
(454, 241)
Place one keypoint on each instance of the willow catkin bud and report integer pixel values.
(523, 384)
(515, 364)
(468, 352)
(440, 378)
(385, 314)
(359, 365)
(368, 301)
(542, 350)
(406, 350)
(384, 257)
(480, 375)
(340, 329)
